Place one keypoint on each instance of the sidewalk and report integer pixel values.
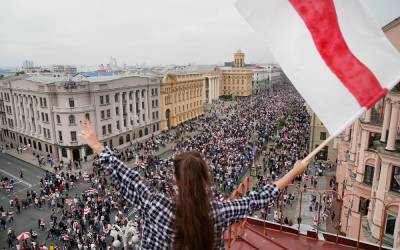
(28, 157)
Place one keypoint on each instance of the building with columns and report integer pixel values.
(368, 171)
(182, 98)
(44, 111)
(211, 86)
(236, 80)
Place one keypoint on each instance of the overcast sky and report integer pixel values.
(149, 31)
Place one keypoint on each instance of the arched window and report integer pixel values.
(140, 133)
(121, 140)
(58, 119)
(128, 138)
(146, 131)
(40, 146)
(71, 120)
(34, 144)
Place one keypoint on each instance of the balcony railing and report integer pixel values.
(236, 232)
(80, 109)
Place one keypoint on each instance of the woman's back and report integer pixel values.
(159, 212)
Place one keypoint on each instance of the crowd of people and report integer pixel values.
(232, 137)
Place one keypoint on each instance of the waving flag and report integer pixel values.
(334, 54)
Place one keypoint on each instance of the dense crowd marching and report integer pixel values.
(231, 137)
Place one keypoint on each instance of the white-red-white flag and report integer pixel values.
(335, 55)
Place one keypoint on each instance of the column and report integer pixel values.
(347, 134)
(364, 142)
(121, 113)
(374, 189)
(82, 153)
(380, 194)
(386, 120)
(368, 115)
(354, 140)
(134, 109)
(128, 109)
(393, 127)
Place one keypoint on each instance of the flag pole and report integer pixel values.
(317, 149)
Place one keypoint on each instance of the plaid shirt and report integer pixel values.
(159, 211)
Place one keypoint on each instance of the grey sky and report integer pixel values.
(149, 31)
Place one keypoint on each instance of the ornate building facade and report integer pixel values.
(44, 112)
(368, 171)
(236, 80)
(182, 98)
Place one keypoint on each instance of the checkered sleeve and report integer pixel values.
(126, 181)
(238, 209)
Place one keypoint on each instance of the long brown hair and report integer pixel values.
(193, 224)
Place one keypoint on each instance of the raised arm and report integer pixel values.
(241, 208)
(126, 180)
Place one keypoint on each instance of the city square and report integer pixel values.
(279, 130)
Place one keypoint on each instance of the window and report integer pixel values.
(104, 130)
(117, 124)
(322, 136)
(101, 100)
(130, 107)
(368, 174)
(143, 92)
(108, 113)
(144, 118)
(146, 131)
(124, 122)
(60, 136)
(107, 99)
(71, 102)
(64, 152)
(390, 223)
(142, 105)
(121, 140)
(117, 110)
(47, 117)
(128, 138)
(363, 207)
(73, 136)
(44, 102)
(71, 120)
(109, 128)
(116, 97)
(102, 114)
(395, 181)
(42, 116)
(58, 119)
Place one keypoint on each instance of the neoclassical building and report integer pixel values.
(182, 97)
(368, 171)
(236, 80)
(44, 111)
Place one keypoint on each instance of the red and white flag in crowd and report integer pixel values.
(86, 210)
(335, 55)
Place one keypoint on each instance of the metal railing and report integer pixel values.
(235, 230)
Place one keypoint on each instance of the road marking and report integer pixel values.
(15, 177)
